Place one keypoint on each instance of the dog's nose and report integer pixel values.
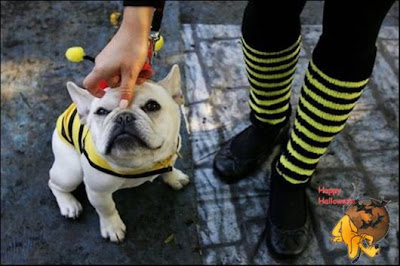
(125, 118)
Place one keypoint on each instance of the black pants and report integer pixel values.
(346, 49)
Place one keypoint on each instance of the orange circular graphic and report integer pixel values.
(370, 217)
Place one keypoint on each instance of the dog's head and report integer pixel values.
(145, 132)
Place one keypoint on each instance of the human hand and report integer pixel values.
(121, 61)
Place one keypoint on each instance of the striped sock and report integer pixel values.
(324, 107)
(270, 75)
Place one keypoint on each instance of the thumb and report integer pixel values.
(128, 80)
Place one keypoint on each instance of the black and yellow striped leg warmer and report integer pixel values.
(270, 75)
(324, 106)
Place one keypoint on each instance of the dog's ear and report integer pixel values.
(172, 83)
(82, 98)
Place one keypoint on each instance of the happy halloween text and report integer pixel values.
(332, 192)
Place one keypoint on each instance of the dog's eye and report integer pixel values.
(151, 106)
(102, 111)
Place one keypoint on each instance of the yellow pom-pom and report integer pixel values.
(159, 44)
(114, 18)
(75, 54)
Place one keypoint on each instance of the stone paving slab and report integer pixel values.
(362, 160)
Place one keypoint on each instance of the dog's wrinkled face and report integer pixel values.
(145, 132)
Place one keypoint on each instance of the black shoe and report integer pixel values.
(249, 149)
(288, 227)
(287, 243)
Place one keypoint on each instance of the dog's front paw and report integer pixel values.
(176, 179)
(113, 228)
(69, 206)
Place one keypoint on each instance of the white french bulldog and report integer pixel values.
(110, 148)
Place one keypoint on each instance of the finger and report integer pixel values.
(128, 80)
(91, 82)
(140, 81)
(99, 93)
(146, 74)
(114, 82)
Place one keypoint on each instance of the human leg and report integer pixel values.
(340, 68)
(271, 45)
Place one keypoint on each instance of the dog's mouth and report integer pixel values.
(126, 139)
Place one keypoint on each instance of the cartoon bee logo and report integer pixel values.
(364, 223)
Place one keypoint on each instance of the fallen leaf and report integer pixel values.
(169, 239)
